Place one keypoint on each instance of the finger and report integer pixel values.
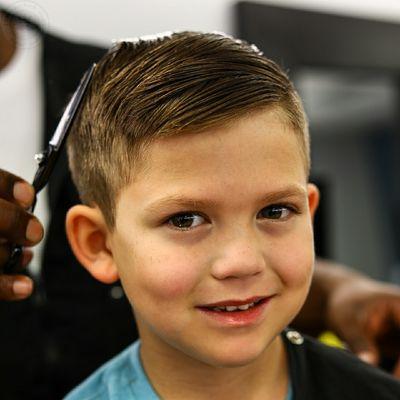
(368, 356)
(27, 256)
(16, 287)
(5, 253)
(365, 349)
(15, 189)
(18, 226)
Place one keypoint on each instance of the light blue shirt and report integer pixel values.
(121, 378)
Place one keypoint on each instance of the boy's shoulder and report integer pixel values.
(322, 372)
(121, 378)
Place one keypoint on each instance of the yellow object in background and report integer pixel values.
(331, 339)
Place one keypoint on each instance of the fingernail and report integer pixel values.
(34, 231)
(22, 287)
(23, 193)
(366, 357)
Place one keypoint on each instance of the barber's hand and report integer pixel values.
(17, 226)
(366, 315)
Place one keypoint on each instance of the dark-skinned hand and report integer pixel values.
(366, 315)
(17, 226)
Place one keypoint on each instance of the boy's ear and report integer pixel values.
(87, 234)
(313, 198)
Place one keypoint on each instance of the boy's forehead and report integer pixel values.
(258, 147)
(236, 140)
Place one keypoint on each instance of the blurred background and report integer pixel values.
(344, 57)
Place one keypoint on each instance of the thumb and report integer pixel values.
(15, 287)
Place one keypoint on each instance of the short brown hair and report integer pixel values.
(146, 89)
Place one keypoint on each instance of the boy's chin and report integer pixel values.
(233, 362)
(240, 356)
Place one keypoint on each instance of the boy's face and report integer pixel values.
(221, 217)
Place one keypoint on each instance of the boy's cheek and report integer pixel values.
(296, 263)
(170, 279)
(159, 274)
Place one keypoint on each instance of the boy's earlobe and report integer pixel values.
(313, 198)
(87, 234)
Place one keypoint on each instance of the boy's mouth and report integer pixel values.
(236, 313)
(234, 305)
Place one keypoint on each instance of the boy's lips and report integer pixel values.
(236, 313)
(225, 303)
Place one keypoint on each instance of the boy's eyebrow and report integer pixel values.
(179, 201)
(193, 204)
(290, 191)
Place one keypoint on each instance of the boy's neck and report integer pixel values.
(266, 378)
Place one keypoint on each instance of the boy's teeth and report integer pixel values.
(234, 308)
(246, 306)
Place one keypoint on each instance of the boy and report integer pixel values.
(191, 154)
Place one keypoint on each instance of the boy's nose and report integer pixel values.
(239, 258)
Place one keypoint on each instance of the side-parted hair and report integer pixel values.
(174, 84)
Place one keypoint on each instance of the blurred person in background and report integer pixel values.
(55, 337)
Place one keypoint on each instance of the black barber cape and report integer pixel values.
(324, 373)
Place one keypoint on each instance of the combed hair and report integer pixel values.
(183, 82)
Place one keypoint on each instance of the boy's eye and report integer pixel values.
(185, 220)
(275, 212)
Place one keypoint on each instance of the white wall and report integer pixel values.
(102, 20)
